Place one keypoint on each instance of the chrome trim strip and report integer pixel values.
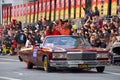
(80, 52)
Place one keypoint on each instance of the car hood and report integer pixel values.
(80, 49)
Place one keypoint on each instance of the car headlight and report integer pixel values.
(59, 55)
(102, 55)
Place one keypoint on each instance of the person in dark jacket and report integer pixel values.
(20, 40)
(102, 43)
(96, 11)
(37, 38)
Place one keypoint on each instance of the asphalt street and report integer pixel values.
(12, 69)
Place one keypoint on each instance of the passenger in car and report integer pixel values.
(51, 30)
(65, 30)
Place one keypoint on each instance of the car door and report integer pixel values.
(28, 53)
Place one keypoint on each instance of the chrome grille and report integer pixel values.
(81, 56)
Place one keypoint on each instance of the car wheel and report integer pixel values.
(29, 65)
(46, 66)
(100, 69)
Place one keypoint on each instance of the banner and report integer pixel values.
(62, 10)
(48, 9)
(94, 4)
(114, 7)
(32, 12)
(105, 9)
(3, 15)
(6, 15)
(99, 5)
(40, 10)
(28, 12)
(12, 15)
(43, 9)
(66, 9)
(17, 12)
(72, 9)
(9, 14)
(83, 6)
(24, 13)
(57, 9)
(52, 10)
(77, 8)
(21, 12)
(36, 11)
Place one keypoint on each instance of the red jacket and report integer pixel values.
(55, 32)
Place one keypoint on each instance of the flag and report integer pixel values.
(72, 9)
(77, 8)
(62, 10)
(114, 7)
(40, 10)
(105, 9)
(32, 12)
(28, 12)
(83, 5)
(36, 11)
(57, 9)
(48, 9)
(94, 4)
(52, 10)
(66, 9)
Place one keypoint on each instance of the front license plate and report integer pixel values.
(83, 66)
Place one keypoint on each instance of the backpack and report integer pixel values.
(21, 38)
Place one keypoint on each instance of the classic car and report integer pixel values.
(115, 51)
(64, 52)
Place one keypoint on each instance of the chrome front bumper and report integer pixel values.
(76, 63)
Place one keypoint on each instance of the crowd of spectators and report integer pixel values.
(96, 30)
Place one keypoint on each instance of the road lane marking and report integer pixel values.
(7, 78)
(118, 74)
(9, 59)
(18, 73)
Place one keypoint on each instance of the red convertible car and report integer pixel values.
(64, 52)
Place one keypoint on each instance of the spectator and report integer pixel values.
(96, 13)
(88, 15)
(111, 42)
(93, 41)
(44, 23)
(28, 41)
(20, 40)
(40, 24)
(19, 25)
(102, 43)
(37, 38)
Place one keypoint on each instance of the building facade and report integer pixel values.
(4, 3)
(58, 9)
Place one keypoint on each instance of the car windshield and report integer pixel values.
(66, 41)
